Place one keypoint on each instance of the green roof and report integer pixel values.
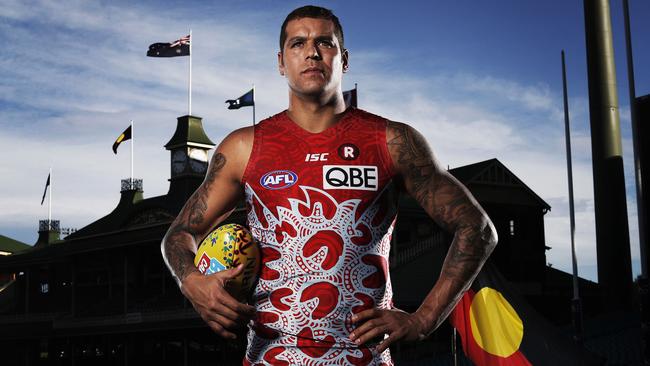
(189, 131)
(10, 245)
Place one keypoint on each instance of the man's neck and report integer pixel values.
(315, 115)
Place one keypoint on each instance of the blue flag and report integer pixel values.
(245, 100)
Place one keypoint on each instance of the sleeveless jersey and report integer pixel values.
(322, 207)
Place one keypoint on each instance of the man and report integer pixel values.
(319, 182)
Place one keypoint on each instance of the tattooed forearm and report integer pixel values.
(180, 242)
(452, 207)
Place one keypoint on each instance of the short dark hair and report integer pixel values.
(310, 11)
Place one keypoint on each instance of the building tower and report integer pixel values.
(189, 158)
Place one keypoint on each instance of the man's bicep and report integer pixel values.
(214, 199)
(445, 199)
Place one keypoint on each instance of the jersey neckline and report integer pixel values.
(297, 129)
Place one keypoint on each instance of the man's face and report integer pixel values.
(311, 58)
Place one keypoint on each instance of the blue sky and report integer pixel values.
(479, 79)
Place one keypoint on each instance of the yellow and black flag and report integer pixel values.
(47, 184)
(498, 328)
(126, 135)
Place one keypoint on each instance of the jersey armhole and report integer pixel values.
(386, 159)
(253, 155)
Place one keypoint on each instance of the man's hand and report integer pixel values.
(398, 324)
(209, 296)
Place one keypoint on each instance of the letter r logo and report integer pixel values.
(348, 151)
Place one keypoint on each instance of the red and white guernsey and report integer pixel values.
(322, 207)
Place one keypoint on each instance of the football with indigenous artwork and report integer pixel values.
(227, 247)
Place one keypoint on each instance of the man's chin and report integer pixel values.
(311, 93)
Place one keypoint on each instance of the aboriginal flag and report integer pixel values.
(498, 328)
(126, 135)
(245, 100)
(350, 98)
(180, 47)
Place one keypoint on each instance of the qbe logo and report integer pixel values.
(363, 177)
(278, 179)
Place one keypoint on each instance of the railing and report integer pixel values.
(412, 251)
(49, 225)
(131, 185)
(65, 231)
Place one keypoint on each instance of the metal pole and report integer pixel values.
(612, 232)
(635, 139)
(642, 281)
(49, 206)
(576, 306)
(454, 348)
(132, 143)
(189, 88)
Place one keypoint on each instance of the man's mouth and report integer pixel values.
(313, 71)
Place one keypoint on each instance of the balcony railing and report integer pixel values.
(49, 225)
(131, 185)
(412, 251)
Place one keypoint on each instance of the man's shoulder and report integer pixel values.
(238, 142)
(278, 117)
(364, 115)
(393, 128)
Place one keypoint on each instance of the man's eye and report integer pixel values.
(296, 44)
(326, 43)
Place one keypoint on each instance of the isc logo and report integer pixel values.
(317, 157)
(278, 179)
(361, 177)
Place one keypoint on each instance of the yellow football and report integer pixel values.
(227, 247)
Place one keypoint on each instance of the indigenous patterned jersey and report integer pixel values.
(323, 209)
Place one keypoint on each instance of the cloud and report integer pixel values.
(74, 74)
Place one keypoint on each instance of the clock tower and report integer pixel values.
(189, 158)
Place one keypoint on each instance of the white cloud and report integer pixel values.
(74, 74)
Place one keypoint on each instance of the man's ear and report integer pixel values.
(345, 58)
(280, 63)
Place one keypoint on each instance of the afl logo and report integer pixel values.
(278, 179)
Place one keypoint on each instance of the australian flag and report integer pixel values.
(245, 100)
(180, 47)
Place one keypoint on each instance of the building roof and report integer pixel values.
(10, 245)
(493, 173)
(190, 132)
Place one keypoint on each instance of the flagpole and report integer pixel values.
(253, 104)
(189, 88)
(454, 347)
(576, 307)
(642, 280)
(132, 143)
(49, 208)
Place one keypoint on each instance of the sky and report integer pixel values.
(480, 80)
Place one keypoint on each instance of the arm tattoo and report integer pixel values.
(181, 235)
(450, 205)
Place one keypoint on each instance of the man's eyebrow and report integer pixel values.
(318, 38)
(325, 38)
(296, 38)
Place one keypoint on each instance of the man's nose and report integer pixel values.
(313, 52)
